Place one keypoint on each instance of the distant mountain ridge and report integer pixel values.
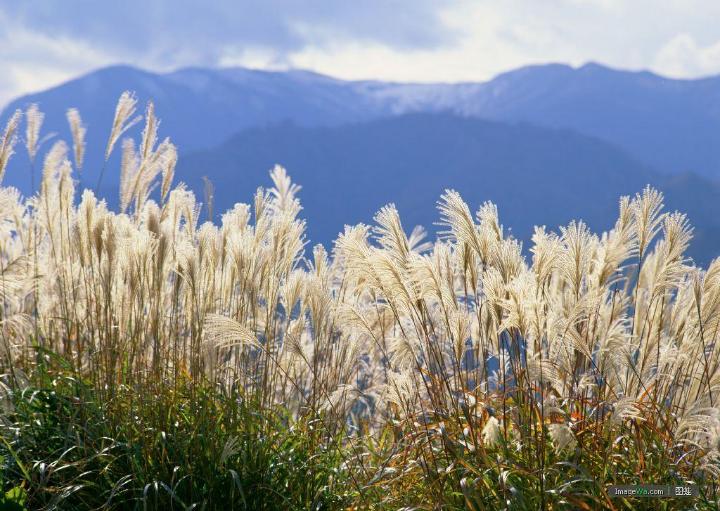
(198, 108)
(672, 125)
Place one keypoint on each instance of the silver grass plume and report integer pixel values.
(416, 240)
(33, 123)
(491, 432)
(8, 141)
(77, 130)
(648, 216)
(284, 190)
(562, 437)
(123, 120)
(168, 170)
(128, 169)
(138, 170)
(221, 331)
(149, 134)
(51, 166)
(390, 234)
(455, 215)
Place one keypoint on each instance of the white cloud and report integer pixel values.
(681, 57)
(491, 39)
(34, 61)
(253, 57)
(44, 43)
(497, 36)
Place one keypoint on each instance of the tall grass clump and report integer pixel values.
(151, 361)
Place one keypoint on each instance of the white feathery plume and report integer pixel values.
(33, 123)
(648, 217)
(8, 140)
(390, 234)
(546, 251)
(149, 134)
(170, 158)
(221, 331)
(123, 120)
(51, 166)
(562, 437)
(284, 190)
(625, 408)
(455, 215)
(416, 240)
(129, 168)
(491, 432)
(77, 130)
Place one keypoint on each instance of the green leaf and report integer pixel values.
(14, 500)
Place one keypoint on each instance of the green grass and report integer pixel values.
(196, 446)
(184, 447)
(508, 477)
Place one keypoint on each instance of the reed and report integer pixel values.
(152, 360)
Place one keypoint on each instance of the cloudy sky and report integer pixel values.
(44, 42)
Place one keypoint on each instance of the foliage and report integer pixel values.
(191, 445)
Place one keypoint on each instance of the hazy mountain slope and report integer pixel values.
(199, 108)
(534, 175)
(671, 125)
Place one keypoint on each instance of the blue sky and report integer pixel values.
(44, 42)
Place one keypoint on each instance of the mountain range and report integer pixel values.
(546, 143)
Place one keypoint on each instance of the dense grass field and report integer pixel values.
(152, 361)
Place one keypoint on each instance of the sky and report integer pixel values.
(46, 42)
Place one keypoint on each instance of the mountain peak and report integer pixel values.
(594, 67)
(535, 70)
